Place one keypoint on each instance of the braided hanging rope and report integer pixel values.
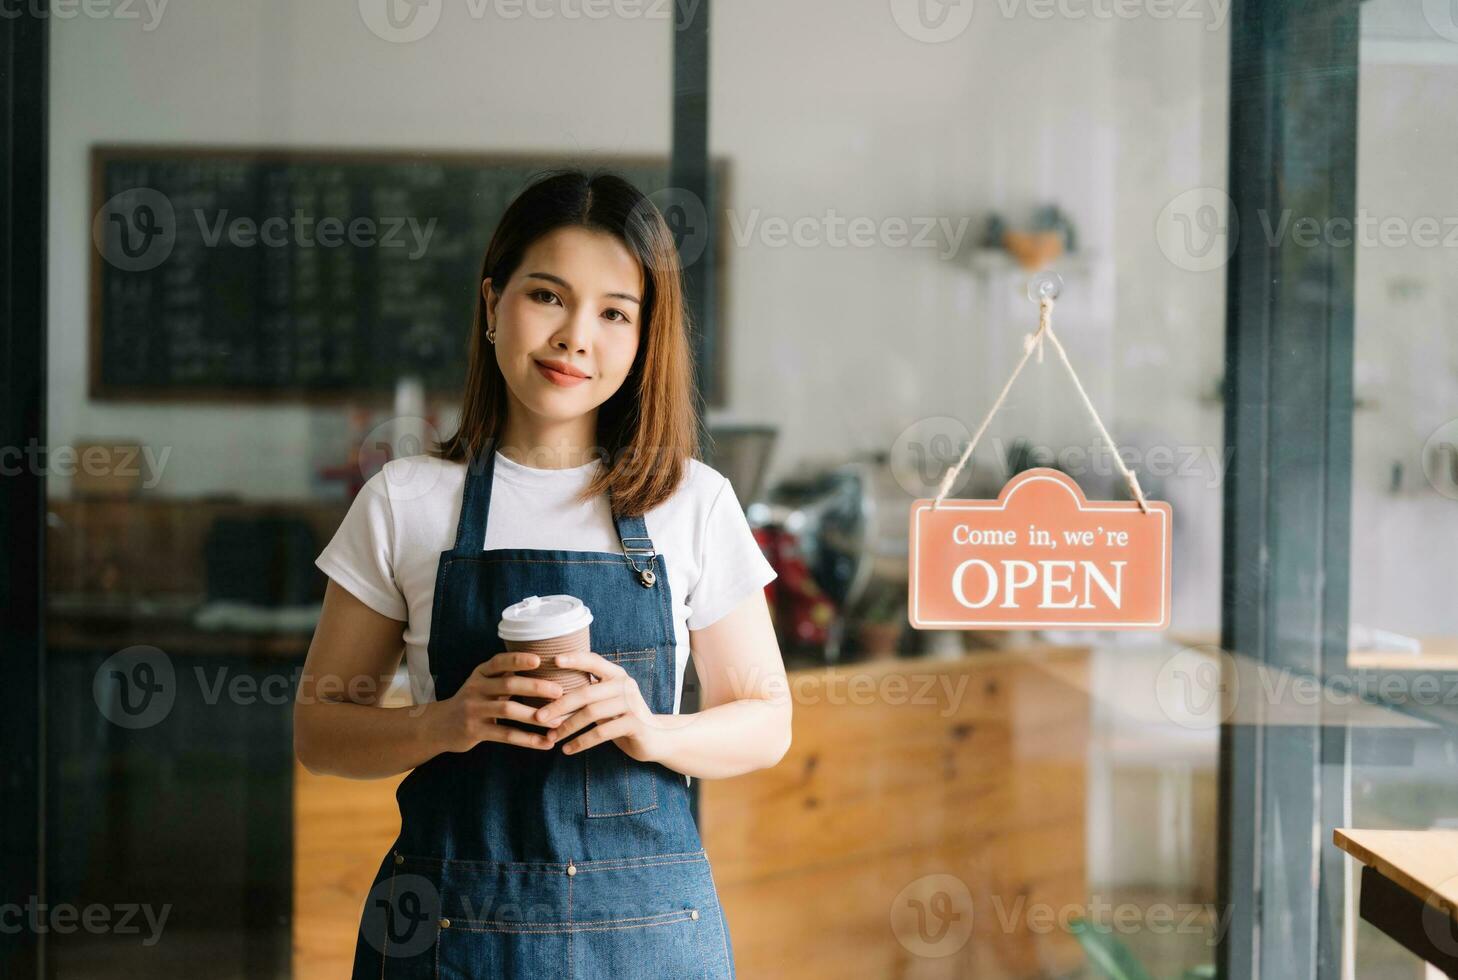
(1032, 343)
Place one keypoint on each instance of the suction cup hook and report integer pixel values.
(1045, 285)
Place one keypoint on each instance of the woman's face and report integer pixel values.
(576, 301)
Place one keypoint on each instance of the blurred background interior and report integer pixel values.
(234, 396)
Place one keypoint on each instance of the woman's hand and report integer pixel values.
(468, 717)
(614, 702)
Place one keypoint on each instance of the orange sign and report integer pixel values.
(1040, 556)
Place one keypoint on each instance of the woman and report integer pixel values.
(554, 841)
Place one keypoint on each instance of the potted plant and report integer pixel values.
(882, 621)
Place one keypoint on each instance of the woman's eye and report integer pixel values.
(539, 293)
(622, 317)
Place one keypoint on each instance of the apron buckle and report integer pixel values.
(646, 575)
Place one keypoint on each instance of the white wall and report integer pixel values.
(1403, 568)
(850, 346)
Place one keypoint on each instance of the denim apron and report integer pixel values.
(520, 862)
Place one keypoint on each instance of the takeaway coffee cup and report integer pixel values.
(549, 626)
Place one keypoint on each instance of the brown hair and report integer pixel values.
(648, 429)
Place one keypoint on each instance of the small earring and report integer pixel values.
(491, 336)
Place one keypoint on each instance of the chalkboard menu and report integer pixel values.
(286, 274)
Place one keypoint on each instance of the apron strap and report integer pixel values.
(637, 546)
(476, 501)
(633, 533)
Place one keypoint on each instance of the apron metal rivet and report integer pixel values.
(571, 869)
(399, 859)
(445, 923)
(694, 914)
(648, 577)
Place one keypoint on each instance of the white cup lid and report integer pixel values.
(542, 617)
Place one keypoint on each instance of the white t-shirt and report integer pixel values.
(387, 549)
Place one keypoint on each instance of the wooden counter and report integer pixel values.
(342, 828)
(988, 786)
(900, 770)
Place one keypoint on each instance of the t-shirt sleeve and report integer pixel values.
(732, 564)
(361, 555)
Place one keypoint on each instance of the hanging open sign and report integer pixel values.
(1040, 556)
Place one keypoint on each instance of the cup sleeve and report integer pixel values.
(361, 555)
(732, 564)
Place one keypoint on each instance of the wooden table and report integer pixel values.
(1410, 888)
(1437, 653)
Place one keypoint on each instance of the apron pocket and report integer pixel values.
(645, 918)
(398, 929)
(470, 950)
(616, 784)
(679, 944)
(650, 917)
(676, 944)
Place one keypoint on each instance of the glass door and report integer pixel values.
(266, 228)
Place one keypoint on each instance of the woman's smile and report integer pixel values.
(560, 378)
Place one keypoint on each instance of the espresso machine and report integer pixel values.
(848, 526)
